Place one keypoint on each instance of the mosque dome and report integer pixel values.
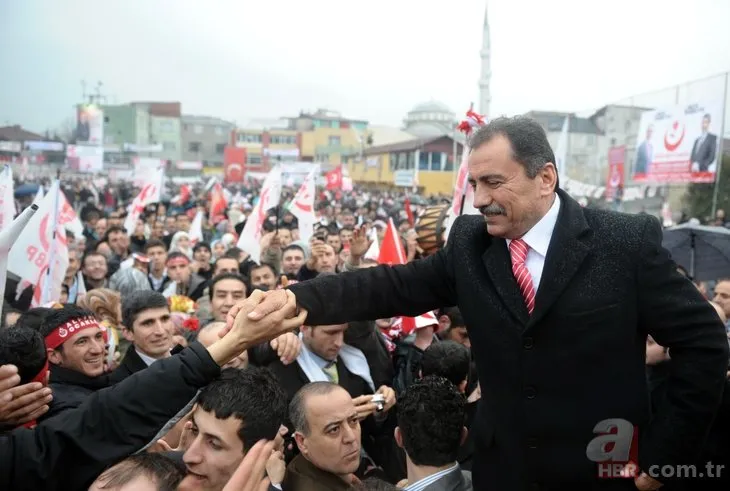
(432, 118)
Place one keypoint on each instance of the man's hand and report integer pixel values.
(9, 378)
(287, 347)
(644, 482)
(28, 402)
(318, 249)
(359, 245)
(389, 395)
(365, 406)
(244, 330)
(276, 467)
(250, 475)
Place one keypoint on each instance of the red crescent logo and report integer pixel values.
(671, 132)
(43, 233)
(262, 205)
(304, 191)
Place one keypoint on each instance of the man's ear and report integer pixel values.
(464, 434)
(54, 356)
(462, 387)
(128, 335)
(301, 443)
(398, 437)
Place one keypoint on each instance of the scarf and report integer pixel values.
(353, 358)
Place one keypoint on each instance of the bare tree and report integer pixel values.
(66, 130)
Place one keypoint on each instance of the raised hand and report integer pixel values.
(273, 316)
(359, 244)
(21, 404)
(251, 472)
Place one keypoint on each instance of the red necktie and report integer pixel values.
(518, 250)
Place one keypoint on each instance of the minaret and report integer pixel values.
(486, 72)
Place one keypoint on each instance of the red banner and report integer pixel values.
(615, 181)
(234, 164)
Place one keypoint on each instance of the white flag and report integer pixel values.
(374, 249)
(561, 154)
(250, 240)
(302, 207)
(462, 192)
(35, 248)
(7, 198)
(151, 193)
(196, 228)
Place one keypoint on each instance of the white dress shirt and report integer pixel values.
(427, 481)
(145, 358)
(538, 239)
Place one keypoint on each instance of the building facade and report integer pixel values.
(164, 127)
(204, 139)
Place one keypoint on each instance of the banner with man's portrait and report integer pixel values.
(678, 144)
(89, 125)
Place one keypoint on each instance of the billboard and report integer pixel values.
(89, 125)
(678, 144)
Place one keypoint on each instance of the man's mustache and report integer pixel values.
(492, 210)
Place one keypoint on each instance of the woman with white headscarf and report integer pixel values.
(181, 243)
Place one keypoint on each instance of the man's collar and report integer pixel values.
(538, 237)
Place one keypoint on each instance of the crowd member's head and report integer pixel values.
(106, 304)
(102, 247)
(128, 280)
(456, 330)
(147, 323)
(73, 264)
(431, 415)
(327, 428)
(157, 230)
(292, 259)
(374, 484)
(722, 295)
(513, 173)
(202, 253)
(263, 276)
(115, 219)
(101, 227)
(235, 253)
(170, 225)
(94, 266)
(230, 416)
(720, 311)
(182, 222)
(219, 248)
(225, 291)
(327, 260)
(118, 241)
(210, 333)
(156, 251)
(347, 218)
(324, 341)
(447, 359)
(178, 268)
(141, 472)
(346, 234)
(333, 239)
(180, 243)
(33, 318)
(25, 348)
(74, 340)
(225, 265)
(285, 235)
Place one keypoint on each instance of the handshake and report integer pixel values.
(259, 318)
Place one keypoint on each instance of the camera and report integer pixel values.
(379, 400)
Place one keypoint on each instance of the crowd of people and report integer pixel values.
(168, 365)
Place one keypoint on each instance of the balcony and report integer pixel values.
(342, 150)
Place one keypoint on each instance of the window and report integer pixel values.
(219, 130)
(334, 141)
(449, 163)
(283, 140)
(437, 159)
(198, 129)
(393, 162)
(165, 125)
(249, 138)
(253, 159)
(220, 148)
(169, 146)
(194, 147)
(423, 161)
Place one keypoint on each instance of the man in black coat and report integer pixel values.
(558, 301)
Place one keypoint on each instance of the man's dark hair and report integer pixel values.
(139, 301)
(347, 228)
(225, 276)
(33, 318)
(164, 471)
(374, 484)
(25, 348)
(58, 317)
(201, 245)
(447, 359)
(293, 247)
(297, 410)
(115, 229)
(530, 145)
(215, 264)
(233, 253)
(261, 266)
(253, 396)
(707, 117)
(454, 315)
(431, 415)
(177, 255)
(182, 214)
(154, 243)
(91, 253)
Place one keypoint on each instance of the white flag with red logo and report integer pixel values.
(462, 192)
(250, 239)
(150, 193)
(37, 247)
(7, 198)
(196, 228)
(302, 207)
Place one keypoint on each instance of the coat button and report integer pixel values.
(530, 392)
(527, 343)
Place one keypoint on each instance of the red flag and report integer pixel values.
(334, 178)
(218, 203)
(391, 249)
(409, 212)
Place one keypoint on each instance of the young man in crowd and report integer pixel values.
(263, 276)
(156, 251)
(230, 416)
(292, 259)
(431, 429)
(210, 333)
(94, 268)
(148, 326)
(75, 346)
(201, 260)
(184, 281)
(225, 290)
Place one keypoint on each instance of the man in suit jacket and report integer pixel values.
(704, 149)
(644, 154)
(558, 300)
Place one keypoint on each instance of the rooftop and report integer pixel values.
(205, 120)
(431, 107)
(327, 115)
(553, 121)
(18, 134)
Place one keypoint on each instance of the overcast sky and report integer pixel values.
(244, 59)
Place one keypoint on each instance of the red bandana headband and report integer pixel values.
(63, 332)
(178, 261)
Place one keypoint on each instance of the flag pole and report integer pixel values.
(721, 153)
(52, 249)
